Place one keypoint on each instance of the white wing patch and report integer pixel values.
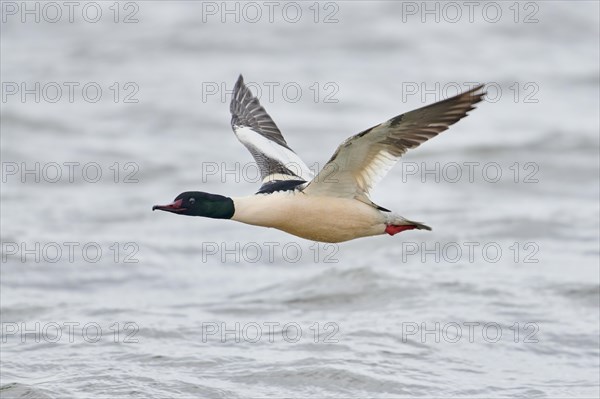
(276, 152)
(375, 170)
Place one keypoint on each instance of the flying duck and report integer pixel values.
(334, 205)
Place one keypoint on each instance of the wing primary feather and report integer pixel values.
(255, 129)
(363, 160)
(246, 111)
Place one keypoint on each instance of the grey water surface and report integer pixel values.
(101, 297)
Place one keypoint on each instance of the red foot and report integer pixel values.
(392, 229)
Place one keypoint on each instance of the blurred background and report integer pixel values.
(111, 107)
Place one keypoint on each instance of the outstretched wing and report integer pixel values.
(256, 130)
(363, 160)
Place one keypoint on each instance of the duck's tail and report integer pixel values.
(418, 226)
(399, 224)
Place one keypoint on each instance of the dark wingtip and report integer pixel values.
(237, 89)
(478, 91)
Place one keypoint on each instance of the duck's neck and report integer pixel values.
(262, 210)
(216, 207)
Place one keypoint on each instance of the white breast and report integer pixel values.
(324, 219)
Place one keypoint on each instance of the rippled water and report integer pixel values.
(500, 299)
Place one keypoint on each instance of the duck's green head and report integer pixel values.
(196, 203)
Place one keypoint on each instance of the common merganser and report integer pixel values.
(333, 206)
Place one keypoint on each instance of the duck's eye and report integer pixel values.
(192, 200)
